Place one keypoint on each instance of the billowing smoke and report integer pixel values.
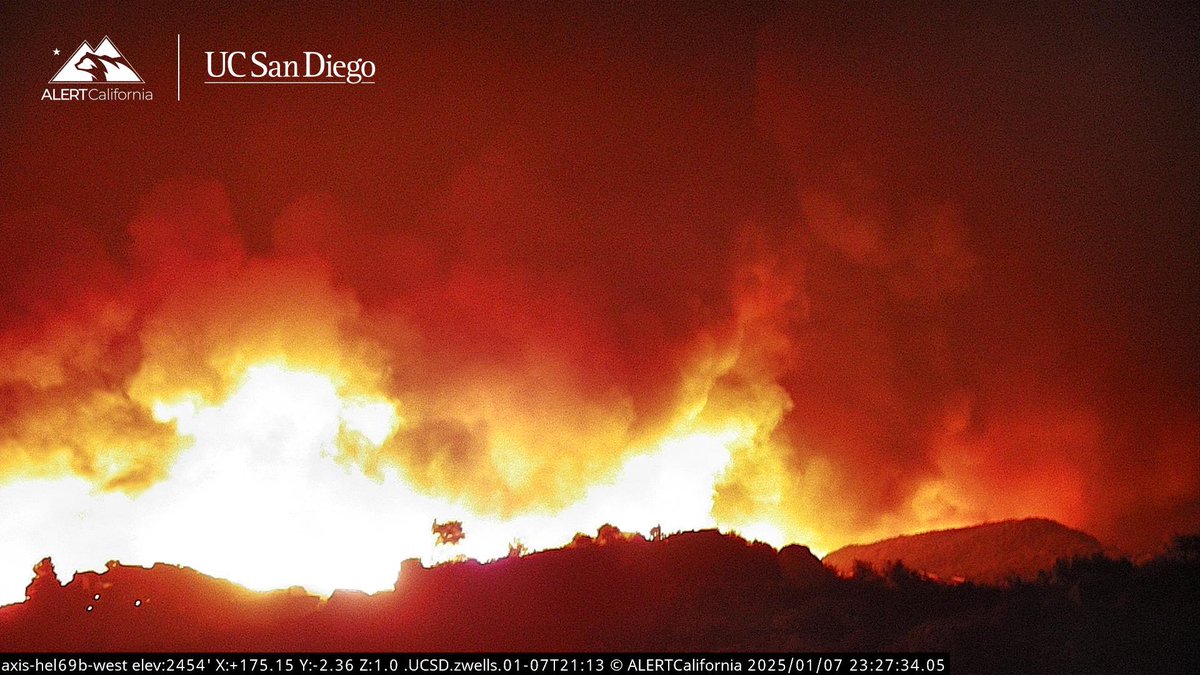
(817, 277)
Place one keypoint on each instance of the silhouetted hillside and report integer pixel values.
(688, 592)
(990, 553)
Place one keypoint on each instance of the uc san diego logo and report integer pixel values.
(103, 69)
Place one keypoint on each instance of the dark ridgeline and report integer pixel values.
(691, 591)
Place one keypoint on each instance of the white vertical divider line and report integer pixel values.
(177, 66)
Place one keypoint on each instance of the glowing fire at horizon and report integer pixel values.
(262, 496)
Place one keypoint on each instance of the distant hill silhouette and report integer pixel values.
(990, 553)
(696, 591)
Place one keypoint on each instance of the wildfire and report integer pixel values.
(766, 273)
(263, 494)
(292, 418)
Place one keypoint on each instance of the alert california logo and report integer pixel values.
(100, 73)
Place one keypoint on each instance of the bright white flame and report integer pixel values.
(259, 498)
(672, 488)
(374, 420)
(765, 532)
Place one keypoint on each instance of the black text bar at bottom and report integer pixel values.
(523, 664)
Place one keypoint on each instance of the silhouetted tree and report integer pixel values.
(448, 533)
(516, 549)
(45, 582)
(901, 576)
(1184, 549)
(866, 572)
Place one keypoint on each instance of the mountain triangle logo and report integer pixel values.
(104, 64)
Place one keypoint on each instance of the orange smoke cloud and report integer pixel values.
(262, 402)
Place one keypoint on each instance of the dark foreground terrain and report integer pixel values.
(692, 591)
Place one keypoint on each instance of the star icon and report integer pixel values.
(57, 51)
